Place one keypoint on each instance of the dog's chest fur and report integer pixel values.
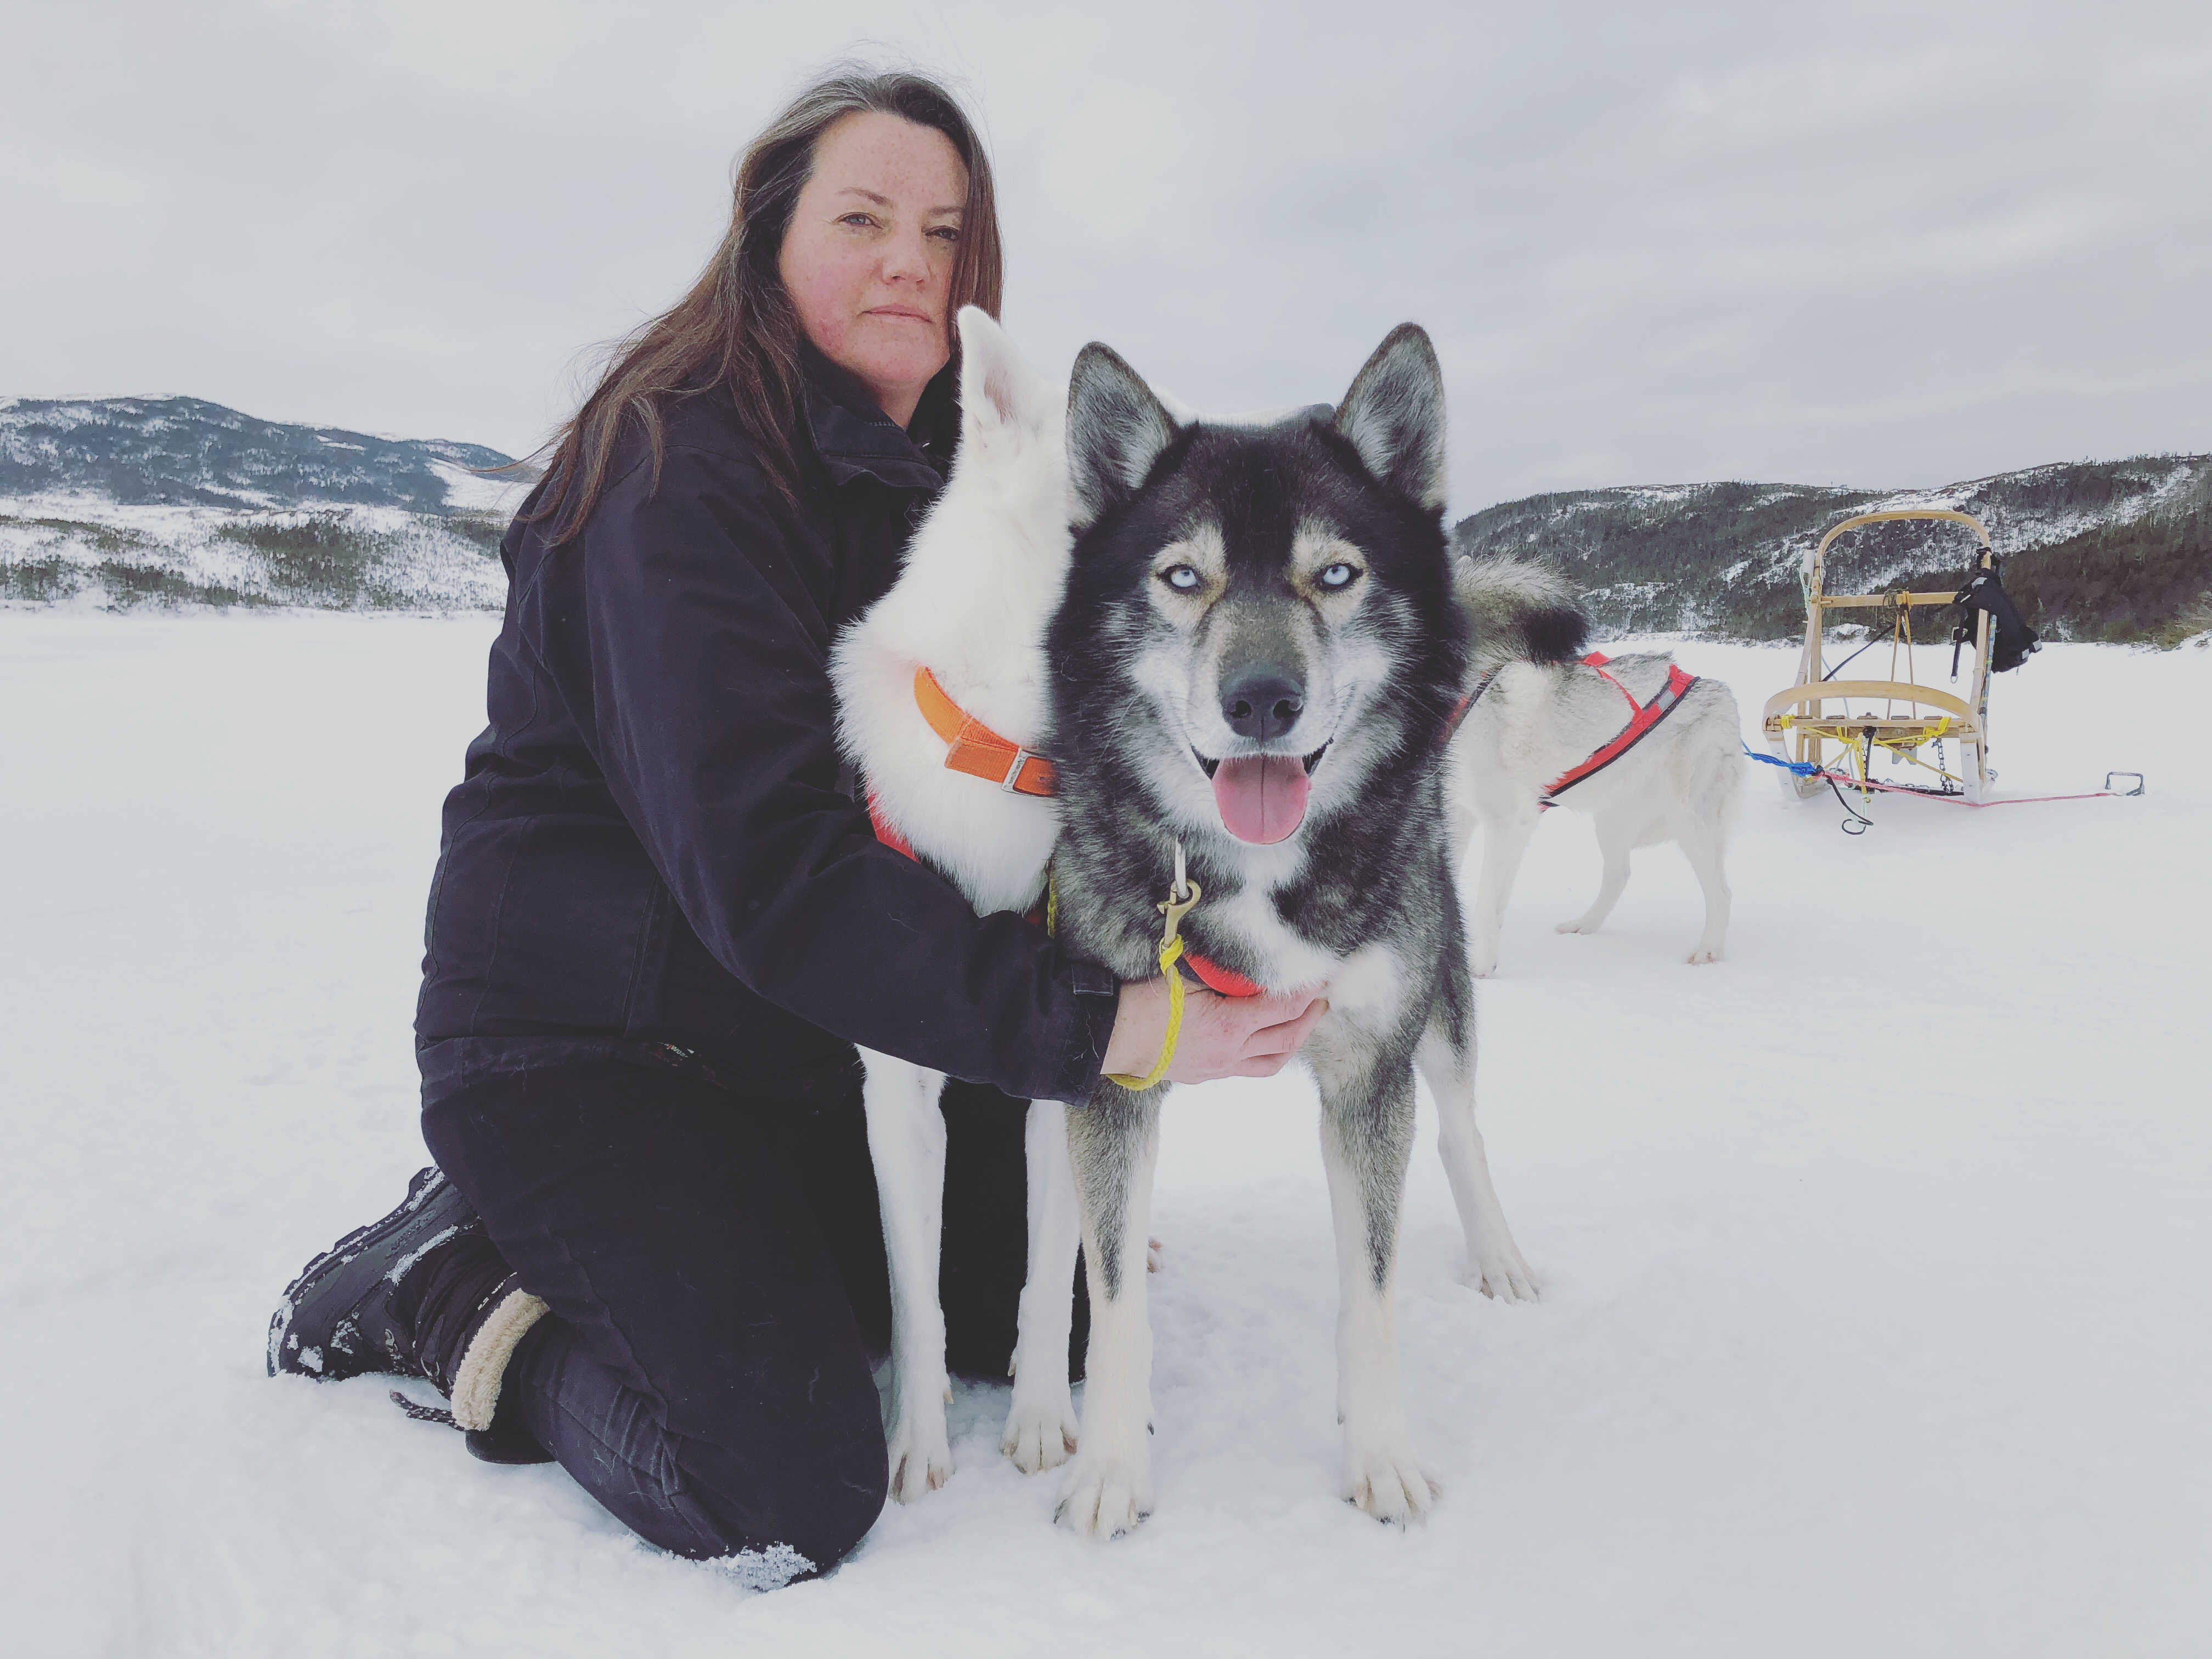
(1285, 917)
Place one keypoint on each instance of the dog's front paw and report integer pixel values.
(1388, 1482)
(921, 1451)
(1703, 954)
(1499, 1271)
(1041, 1429)
(1104, 1496)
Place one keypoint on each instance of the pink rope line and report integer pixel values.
(1849, 782)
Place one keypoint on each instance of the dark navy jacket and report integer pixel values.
(650, 854)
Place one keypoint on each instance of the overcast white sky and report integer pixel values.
(1869, 243)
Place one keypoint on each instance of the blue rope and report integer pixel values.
(1802, 768)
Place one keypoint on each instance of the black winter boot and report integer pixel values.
(422, 1292)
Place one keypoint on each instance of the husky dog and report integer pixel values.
(1254, 667)
(1540, 711)
(979, 583)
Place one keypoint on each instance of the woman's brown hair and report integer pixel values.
(737, 326)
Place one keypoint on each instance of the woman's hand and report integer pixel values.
(1222, 1036)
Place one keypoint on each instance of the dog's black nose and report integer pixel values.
(1262, 702)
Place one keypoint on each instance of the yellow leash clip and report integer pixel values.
(1175, 908)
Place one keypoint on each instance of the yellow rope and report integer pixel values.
(1850, 741)
(1175, 908)
(1171, 953)
(1842, 731)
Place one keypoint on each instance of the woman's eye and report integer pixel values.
(946, 233)
(858, 219)
(1338, 575)
(1181, 578)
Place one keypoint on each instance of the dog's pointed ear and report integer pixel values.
(997, 388)
(1395, 415)
(1116, 429)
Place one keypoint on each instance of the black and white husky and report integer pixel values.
(1255, 668)
(1541, 711)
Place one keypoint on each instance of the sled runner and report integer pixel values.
(1823, 729)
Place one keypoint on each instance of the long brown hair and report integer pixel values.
(736, 327)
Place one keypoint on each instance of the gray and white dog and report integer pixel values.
(1255, 663)
(1540, 711)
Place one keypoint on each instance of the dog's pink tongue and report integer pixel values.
(1262, 797)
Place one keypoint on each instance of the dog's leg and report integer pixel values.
(1041, 1426)
(1704, 843)
(1504, 839)
(1495, 1264)
(1366, 1136)
(1114, 1144)
(906, 1139)
(1616, 839)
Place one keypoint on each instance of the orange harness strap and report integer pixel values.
(976, 748)
(977, 751)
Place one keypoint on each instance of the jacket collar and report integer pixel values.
(854, 437)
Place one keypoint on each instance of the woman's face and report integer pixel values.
(868, 258)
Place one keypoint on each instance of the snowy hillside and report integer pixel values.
(2117, 550)
(1875, 1313)
(120, 502)
(115, 502)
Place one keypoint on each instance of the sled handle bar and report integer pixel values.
(1966, 518)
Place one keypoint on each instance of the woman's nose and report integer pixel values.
(908, 259)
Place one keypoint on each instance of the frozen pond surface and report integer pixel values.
(1876, 1317)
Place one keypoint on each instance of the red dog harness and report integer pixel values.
(1641, 717)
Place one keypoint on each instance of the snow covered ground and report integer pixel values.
(1877, 1255)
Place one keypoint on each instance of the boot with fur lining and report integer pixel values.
(420, 1293)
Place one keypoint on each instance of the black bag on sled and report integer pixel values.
(2011, 638)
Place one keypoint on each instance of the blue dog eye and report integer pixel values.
(1181, 577)
(1338, 575)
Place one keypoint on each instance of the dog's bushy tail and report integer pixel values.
(1518, 610)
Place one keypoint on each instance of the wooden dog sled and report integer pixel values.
(1823, 729)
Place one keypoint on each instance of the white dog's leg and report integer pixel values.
(1616, 838)
(1114, 1144)
(1504, 839)
(1041, 1425)
(1704, 843)
(1494, 1263)
(1365, 1145)
(906, 1139)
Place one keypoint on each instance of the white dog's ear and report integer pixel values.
(1116, 429)
(1395, 415)
(996, 386)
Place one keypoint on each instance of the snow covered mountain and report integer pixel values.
(2117, 550)
(113, 502)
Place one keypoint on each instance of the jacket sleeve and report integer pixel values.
(686, 628)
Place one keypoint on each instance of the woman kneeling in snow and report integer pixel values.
(650, 1249)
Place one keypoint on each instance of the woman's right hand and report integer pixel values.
(1222, 1036)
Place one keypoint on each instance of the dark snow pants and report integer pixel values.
(715, 1269)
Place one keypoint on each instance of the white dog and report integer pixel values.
(962, 636)
(1649, 750)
